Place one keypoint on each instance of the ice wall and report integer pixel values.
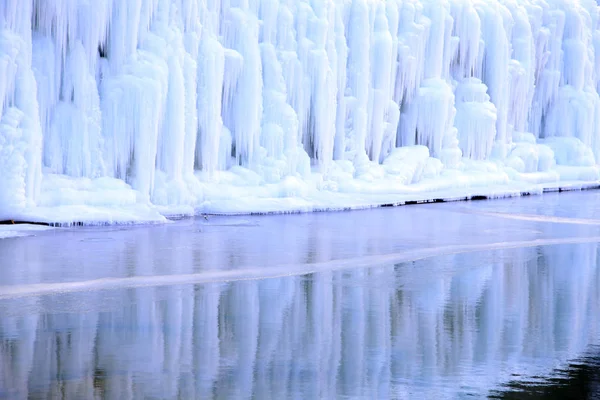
(164, 94)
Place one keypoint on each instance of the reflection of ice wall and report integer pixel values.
(361, 333)
(147, 91)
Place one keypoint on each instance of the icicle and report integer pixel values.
(342, 60)
(20, 130)
(381, 72)
(211, 66)
(241, 34)
(358, 39)
(495, 72)
(320, 131)
(151, 91)
(475, 119)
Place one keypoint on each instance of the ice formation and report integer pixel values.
(187, 102)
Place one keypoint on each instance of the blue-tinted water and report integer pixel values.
(478, 299)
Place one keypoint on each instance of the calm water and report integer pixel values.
(496, 298)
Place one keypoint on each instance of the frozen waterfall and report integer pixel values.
(275, 105)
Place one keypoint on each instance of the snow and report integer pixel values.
(21, 230)
(128, 111)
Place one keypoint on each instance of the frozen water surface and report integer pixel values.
(427, 301)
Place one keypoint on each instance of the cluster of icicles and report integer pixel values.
(157, 90)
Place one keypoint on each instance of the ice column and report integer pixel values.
(391, 116)
(68, 45)
(475, 114)
(495, 74)
(381, 74)
(342, 60)
(574, 111)
(521, 70)
(429, 118)
(324, 77)
(211, 67)
(74, 139)
(241, 30)
(475, 119)
(134, 95)
(358, 77)
(20, 130)
(189, 11)
(548, 38)
(279, 136)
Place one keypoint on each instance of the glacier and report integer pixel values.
(126, 110)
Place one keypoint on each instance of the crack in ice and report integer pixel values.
(240, 274)
(533, 217)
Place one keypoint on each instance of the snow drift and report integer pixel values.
(264, 105)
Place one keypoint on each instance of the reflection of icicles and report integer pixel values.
(239, 315)
(353, 337)
(15, 367)
(205, 339)
(331, 334)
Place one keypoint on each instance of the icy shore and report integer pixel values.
(122, 111)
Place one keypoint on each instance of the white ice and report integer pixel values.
(10, 231)
(115, 111)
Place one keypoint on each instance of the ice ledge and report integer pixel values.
(346, 202)
(263, 200)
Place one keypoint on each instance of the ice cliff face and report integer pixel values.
(153, 91)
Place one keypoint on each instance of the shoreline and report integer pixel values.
(271, 206)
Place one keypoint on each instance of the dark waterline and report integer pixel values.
(503, 321)
(580, 379)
